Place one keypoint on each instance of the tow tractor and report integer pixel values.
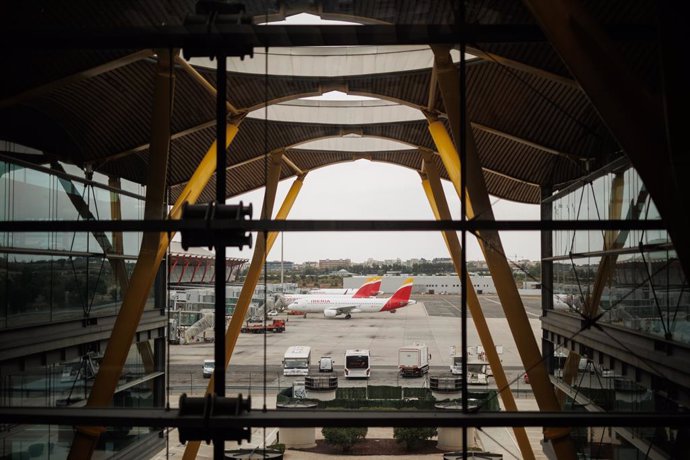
(255, 327)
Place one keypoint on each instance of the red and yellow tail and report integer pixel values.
(370, 287)
(401, 297)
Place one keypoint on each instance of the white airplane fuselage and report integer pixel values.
(339, 305)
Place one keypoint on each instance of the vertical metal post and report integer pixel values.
(219, 285)
(463, 218)
(547, 292)
(254, 271)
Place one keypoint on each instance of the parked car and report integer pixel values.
(209, 366)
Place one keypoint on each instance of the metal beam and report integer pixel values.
(521, 66)
(212, 90)
(155, 417)
(634, 116)
(79, 76)
(98, 163)
(431, 99)
(431, 182)
(570, 156)
(264, 243)
(297, 225)
(478, 207)
(235, 39)
(292, 165)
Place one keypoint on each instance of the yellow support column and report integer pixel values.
(260, 253)
(478, 207)
(431, 182)
(133, 303)
(608, 262)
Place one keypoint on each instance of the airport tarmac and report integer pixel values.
(434, 321)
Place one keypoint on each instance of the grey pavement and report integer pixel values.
(434, 320)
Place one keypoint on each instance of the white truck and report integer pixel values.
(297, 360)
(413, 360)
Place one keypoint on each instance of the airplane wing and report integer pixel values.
(335, 311)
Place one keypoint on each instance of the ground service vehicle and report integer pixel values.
(413, 360)
(478, 372)
(209, 366)
(277, 325)
(296, 360)
(357, 364)
(326, 364)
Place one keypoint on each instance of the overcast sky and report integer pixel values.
(376, 191)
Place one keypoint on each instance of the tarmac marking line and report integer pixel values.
(492, 300)
(451, 304)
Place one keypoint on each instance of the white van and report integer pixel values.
(209, 366)
(357, 364)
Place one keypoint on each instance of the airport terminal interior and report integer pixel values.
(131, 327)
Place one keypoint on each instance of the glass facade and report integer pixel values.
(48, 277)
(644, 299)
(62, 280)
(646, 291)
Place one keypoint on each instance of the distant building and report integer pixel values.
(334, 264)
(442, 260)
(275, 266)
(423, 284)
(310, 265)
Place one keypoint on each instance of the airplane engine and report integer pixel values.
(329, 313)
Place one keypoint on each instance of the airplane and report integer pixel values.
(332, 306)
(370, 288)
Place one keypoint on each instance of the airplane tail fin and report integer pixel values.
(401, 297)
(370, 287)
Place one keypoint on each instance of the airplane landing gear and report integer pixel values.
(348, 316)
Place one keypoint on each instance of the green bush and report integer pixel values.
(413, 437)
(344, 438)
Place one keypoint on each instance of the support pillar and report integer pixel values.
(141, 281)
(86, 438)
(437, 199)
(261, 250)
(479, 207)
